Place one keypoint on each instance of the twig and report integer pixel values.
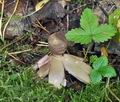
(29, 14)
(11, 43)
(102, 9)
(2, 10)
(41, 26)
(41, 42)
(9, 19)
(42, 45)
(18, 52)
(15, 58)
(77, 8)
(68, 18)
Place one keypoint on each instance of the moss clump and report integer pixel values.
(23, 86)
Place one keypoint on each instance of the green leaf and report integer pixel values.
(103, 33)
(114, 17)
(100, 62)
(90, 30)
(93, 58)
(95, 76)
(107, 71)
(88, 20)
(79, 36)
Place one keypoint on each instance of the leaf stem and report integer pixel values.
(86, 52)
(107, 83)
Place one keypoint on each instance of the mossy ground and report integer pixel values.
(19, 83)
(23, 86)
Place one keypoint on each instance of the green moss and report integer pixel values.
(23, 86)
(18, 83)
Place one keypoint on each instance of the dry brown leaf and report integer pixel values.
(40, 5)
(104, 51)
(56, 74)
(76, 67)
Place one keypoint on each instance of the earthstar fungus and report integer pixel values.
(55, 65)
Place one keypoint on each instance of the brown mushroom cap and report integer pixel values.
(57, 43)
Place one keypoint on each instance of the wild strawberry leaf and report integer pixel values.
(101, 69)
(79, 36)
(114, 19)
(100, 62)
(107, 71)
(103, 33)
(95, 76)
(88, 20)
(90, 30)
(93, 58)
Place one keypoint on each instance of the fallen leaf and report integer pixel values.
(40, 5)
(104, 51)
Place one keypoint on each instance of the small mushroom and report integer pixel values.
(57, 43)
